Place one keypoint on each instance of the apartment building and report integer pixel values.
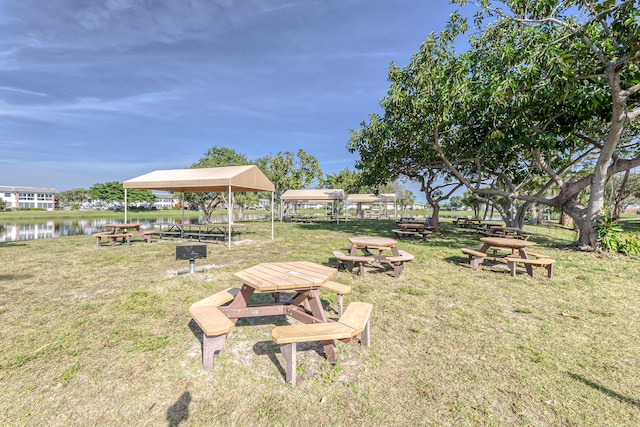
(28, 197)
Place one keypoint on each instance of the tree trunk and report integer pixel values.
(540, 218)
(435, 221)
(521, 214)
(533, 215)
(599, 176)
(566, 220)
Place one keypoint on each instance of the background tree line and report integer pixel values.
(286, 170)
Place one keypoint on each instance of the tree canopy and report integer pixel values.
(214, 157)
(113, 192)
(547, 89)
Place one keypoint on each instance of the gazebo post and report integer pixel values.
(125, 206)
(182, 207)
(229, 211)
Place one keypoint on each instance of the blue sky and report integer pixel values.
(96, 91)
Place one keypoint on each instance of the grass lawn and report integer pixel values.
(102, 336)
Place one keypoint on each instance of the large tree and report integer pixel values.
(113, 192)
(73, 197)
(214, 157)
(539, 95)
(288, 170)
(573, 69)
(348, 180)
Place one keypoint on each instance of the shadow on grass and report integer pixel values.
(11, 244)
(608, 392)
(15, 276)
(179, 411)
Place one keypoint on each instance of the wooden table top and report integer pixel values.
(411, 225)
(285, 276)
(372, 241)
(505, 242)
(123, 225)
(502, 228)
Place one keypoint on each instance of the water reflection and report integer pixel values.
(10, 232)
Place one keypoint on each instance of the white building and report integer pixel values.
(28, 197)
(165, 201)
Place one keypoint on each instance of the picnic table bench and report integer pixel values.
(113, 237)
(355, 320)
(397, 261)
(349, 262)
(339, 289)
(475, 257)
(538, 260)
(214, 324)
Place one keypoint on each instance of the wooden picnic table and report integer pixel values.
(209, 231)
(374, 247)
(379, 243)
(301, 278)
(412, 226)
(123, 228)
(412, 220)
(510, 232)
(115, 231)
(518, 247)
(199, 232)
(467, 222)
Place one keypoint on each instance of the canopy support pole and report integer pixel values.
(229, 211)
(125, 206)
(182, 207)
(272, 201)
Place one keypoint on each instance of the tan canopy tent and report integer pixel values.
(373, 198)
(204, 180)
(318, 195)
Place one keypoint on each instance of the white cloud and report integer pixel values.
(22, 91)
(146, 104)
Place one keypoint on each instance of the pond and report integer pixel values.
(14, 231)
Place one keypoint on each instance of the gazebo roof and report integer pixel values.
(203, 180)
(371, 198)
(315, 195)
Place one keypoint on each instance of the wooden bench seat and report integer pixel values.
(350, 261)
(219, 298)
(540, 262)
(203, 236)
(405, 233)
(339, 289)
(164, 233)
(354, 321)
(113, 238)
(215, 328)
(475, 257)
(147, 234)
(537, 255)
(215, 325)
(398, 262)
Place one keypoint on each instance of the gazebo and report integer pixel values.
(373, 198)
(228, 179)
(318, 195)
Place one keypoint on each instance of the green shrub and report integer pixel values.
(610, 237)
(609, 232)
(630, 245)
